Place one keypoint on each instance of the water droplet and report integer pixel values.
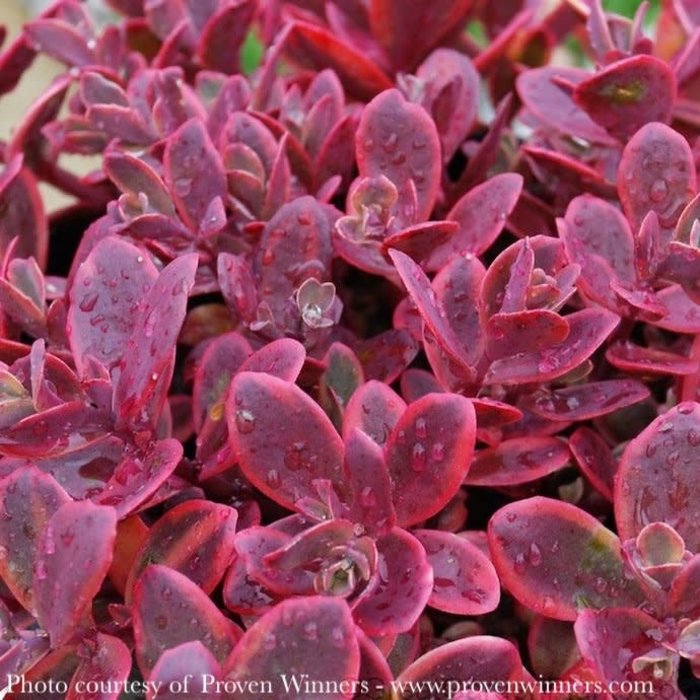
(686, 408)
(245, 421)
(311, 631)
(520, 564)
(600, 585)
(338, 637)
(511, 517)
(367, 497)
(391, 143)
(182, 186)
(167, 593)
(292, 457)
(88, 302)
(268, 257)
(418, 458)
(650, 450)
(672, 458)
(438, 452)
(535, 555)
(273, 479)
(658, 191)
(421, 429)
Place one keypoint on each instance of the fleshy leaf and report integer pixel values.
(193, 171)
(595, 459)
(375, 409)
(481, 214)
(170, 610)
(191, 661)
(109, 659)
(398, 139)
(313, 636)
(106, 292)
(627, 94)
(428, 454)
(195, 538)
(464, 580)
(536, 543)
(404, 587)
(656, 173)
(666, 450)
(517, 461)
(28, 499)
(149, 352)
(73, 556)
(278, 453)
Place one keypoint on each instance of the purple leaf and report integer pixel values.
(664, 452)
(110, 658)
(595, 460)
(464, 580)
(190, 663)
(649, 361)
(398, 139)
(106, 293)
(193, 171)
(627, 94)
(278, 453)
(536, 543)
(312, 636)
(428, 454)
(375, 409)
(74, 554)
(28, 499)
(170, 610)
(223, 34)
(656, 173)
(403, 589)
(481, 214)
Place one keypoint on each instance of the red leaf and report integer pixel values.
(73, 556)
(428, 454)
(280, 454)
(316, 48)
(403, 589)
(656, 481)
(313, 636)
(517, 461)
(375, 409)
(195, 538)
(398, 139)
(464, 580)
(223, 35)
(109, 661)
(170, 610)
(627, 94)
(595, 459)
(536, 543)
(190, 663)
(481, 214)
(649, 361)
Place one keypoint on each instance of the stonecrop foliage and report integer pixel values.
(379, 360)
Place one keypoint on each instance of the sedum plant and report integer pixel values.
(375, 364)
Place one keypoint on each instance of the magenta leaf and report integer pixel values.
(477, 658)
(404, 587)
(481, 214)
(312, 636)
(656, 173)
(588, 329)
(73, 556)
(590, 400)
(170, 610)
(106, 292)
(649, 361)
(279, 454)
(237, 285)
(195, 538)
(523, 331)
(110, 658)
(628, 94)
(369, 483)
(28, 500)
(149, 352)
(398, 139)
(385, 356)
(665, 449)
(190, 660)
(137, 477)
(223, 34)
(595, 459)
(464, 580)
(517, 461)
(374, 408)
(193, 171)
(536, 543)
(283, 358)
(428, 454)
